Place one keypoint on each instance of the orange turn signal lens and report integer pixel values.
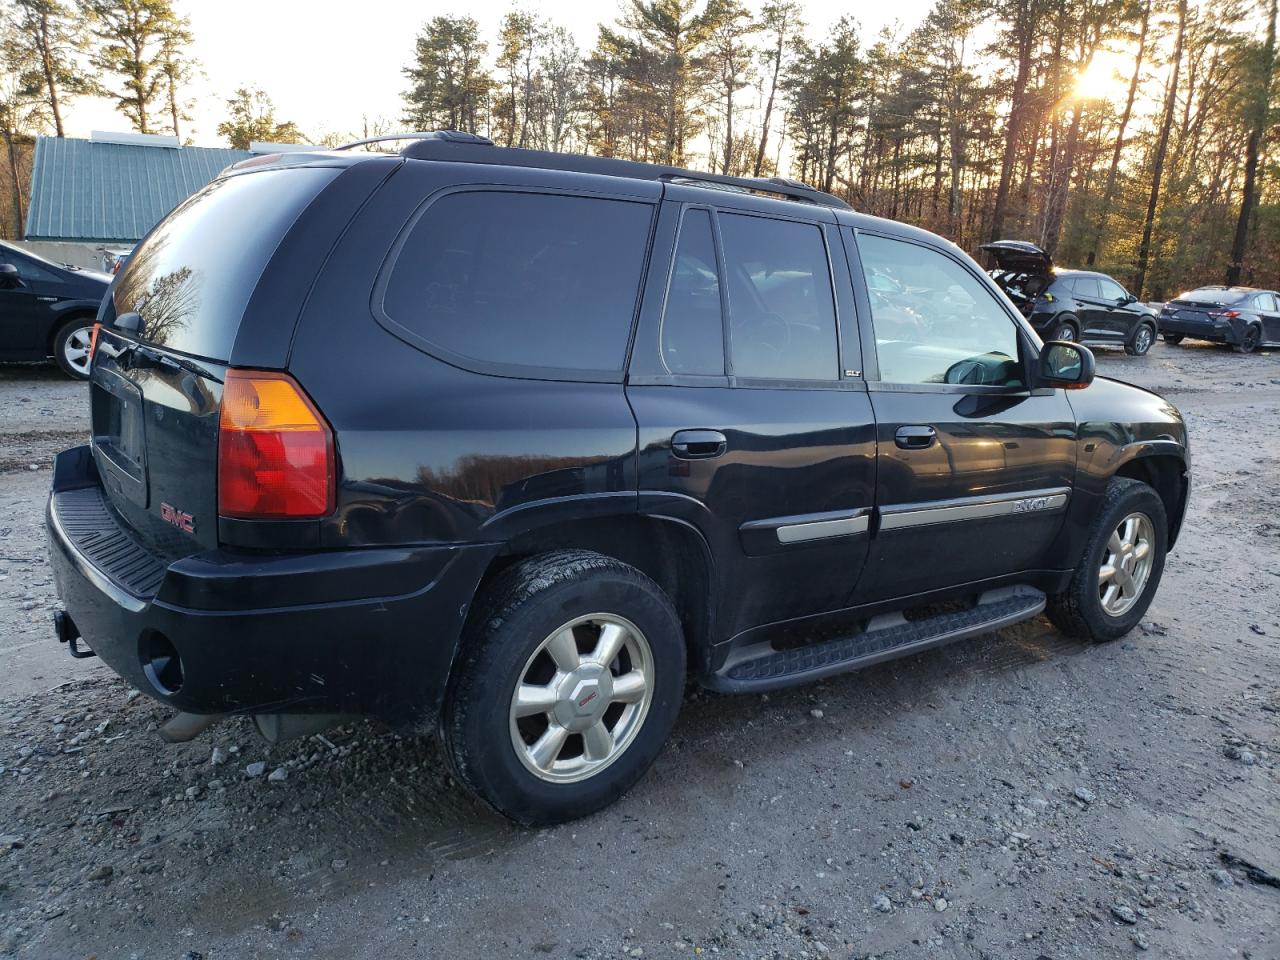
(275, 450)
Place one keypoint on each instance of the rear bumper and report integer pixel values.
(356, 631)
(1219, 331)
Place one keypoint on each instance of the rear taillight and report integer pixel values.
(275, 450)
(1224, 314)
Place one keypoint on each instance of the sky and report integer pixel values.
(326, 63)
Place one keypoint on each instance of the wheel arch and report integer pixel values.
(64, 314)
(671, 552)
(1166, 473)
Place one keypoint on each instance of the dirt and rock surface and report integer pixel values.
(1017, 796)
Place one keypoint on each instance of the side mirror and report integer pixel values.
(1127, 299)
(9, 275)
(1066, 365)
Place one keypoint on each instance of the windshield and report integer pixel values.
(1214, 295)
(192, 277)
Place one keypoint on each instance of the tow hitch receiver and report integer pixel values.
(68, 633)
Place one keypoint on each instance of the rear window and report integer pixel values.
(192, 277)
(1214, 295)
(535, 283)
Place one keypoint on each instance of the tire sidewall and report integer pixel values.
(1067, 322)
(1137, 335)
(478, 723)
(59, 345)
(1138, 498)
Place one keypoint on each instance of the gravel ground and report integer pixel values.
(1017, 796)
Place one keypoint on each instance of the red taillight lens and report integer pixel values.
(275, 450)
(1225, 314)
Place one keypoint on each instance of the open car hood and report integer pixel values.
(1019, 256)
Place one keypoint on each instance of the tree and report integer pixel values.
(519, 40)
(781, 23)
(664, 44)
(178, 70)
(1160, 152)
(562, 79)
(252, 116)
(729, 59)
(51, 41)
(23, 113)
(449, 82)
(1259, 108)
(131, 39)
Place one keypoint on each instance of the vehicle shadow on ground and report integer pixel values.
(363, 805)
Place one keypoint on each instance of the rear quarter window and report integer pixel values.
(532, 284)
(193, 275)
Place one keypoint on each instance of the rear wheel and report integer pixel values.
(71, 347)
(1066, 330)
(1141, 341)
(1120, 569)
(1249, 342)
(568, 684)
(1173, 339)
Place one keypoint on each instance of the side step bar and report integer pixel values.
(761, 667)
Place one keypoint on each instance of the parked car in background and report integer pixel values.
(1243, 317)
(47, 310)
(1071, 304)
(503, 444)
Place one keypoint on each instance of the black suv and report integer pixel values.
(504, 444)
(1071, 304)
(1243, 317)
(47, 310)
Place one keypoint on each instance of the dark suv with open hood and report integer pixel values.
(1243, 317)
(1071, 304)
(505, 444)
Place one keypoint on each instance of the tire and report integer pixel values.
(1173, 339)
(517, 622)
(71, 347)
(1143, 337)
(1249, 342)
(1079, 611)
(1066, 329)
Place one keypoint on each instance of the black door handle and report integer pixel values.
(698, 444)
(915, 437)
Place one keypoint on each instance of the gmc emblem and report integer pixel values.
(183, 521)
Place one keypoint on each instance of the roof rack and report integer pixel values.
(459, 147)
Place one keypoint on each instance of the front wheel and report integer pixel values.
(568, 684)
(1249, 342)
(71, 347)
(1141, 341)
(1120, 570)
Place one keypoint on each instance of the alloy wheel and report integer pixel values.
(1066, 332)
(1142, 340)
(582, 697)
(75, 349)
(1126, 564)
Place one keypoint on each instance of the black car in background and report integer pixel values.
(47, 310)
(1071, 304)
(1241, 316)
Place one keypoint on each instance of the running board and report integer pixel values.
(762, 667)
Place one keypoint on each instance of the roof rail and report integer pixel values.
(452, 145)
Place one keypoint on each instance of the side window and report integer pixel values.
(782, 315)
(1086, 287)
(934, 321)
(1267, 302)
(522, 279)
(692, 330)
(1110, 289)
(27, 270)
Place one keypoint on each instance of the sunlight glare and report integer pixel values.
(1105, 78)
